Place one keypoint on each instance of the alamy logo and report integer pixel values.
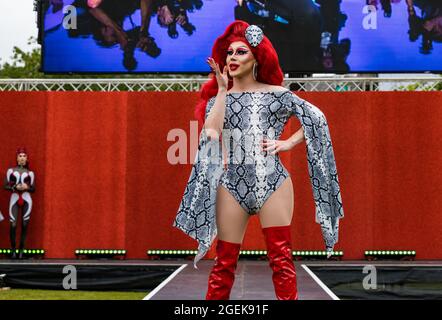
(70, 281)
(370, 20)
(70, 18)
(370, 281)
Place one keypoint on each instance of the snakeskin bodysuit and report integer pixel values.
(252, 175)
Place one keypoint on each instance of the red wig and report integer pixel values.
(269, 70)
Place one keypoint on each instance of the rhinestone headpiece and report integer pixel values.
(254, 35)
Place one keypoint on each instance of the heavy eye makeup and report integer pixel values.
(239, 51)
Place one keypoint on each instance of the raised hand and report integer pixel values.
(221, 78)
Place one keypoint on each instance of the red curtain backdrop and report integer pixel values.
(103, 179)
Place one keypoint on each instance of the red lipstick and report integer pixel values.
(233, 66)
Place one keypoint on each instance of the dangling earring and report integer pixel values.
(255, 71)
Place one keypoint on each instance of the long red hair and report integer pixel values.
(269, 70)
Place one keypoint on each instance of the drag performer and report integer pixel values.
(245, 106)
(21, 182)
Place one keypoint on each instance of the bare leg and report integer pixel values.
(231, 224)
(231, 218)
(278, 209)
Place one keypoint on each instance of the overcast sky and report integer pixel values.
(17, 25)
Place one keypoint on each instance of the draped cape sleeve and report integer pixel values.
(196, 213)
(321, 167)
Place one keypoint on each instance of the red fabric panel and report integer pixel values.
(86, 165)
(104, 179)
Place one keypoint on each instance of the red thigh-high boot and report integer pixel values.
(279, 252)
(223, 272)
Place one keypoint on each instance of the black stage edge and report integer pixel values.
(392, 282)
(96, 276)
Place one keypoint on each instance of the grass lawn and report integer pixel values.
(29, 294)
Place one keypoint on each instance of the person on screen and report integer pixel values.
(297, 29)
(429, 25)
(385, 4)
(111, 15)
(173, 12)
(20, 181)
(103, 19)
(245, 105)
(334, 52)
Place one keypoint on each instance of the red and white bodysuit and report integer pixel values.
(14, 177)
